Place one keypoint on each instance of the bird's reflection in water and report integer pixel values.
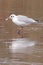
(22, 51)
(22, 45)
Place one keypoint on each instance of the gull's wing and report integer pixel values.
(25, 19)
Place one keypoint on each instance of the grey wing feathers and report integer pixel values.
(25, 19)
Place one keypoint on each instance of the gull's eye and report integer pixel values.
(11, 16)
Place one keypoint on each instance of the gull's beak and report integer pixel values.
(7, 18)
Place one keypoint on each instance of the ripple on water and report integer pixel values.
(22, 51)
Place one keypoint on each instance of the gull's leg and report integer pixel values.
(20, 32)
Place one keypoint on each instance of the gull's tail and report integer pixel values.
(39, 22)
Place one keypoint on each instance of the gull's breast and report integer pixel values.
(17, 22)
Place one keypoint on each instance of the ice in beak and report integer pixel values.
(7, 18)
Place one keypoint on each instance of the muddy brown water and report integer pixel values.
(15, 50)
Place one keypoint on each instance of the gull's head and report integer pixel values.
(11, 17)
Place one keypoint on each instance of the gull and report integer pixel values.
(21, 20)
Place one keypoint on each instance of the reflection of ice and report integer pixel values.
(22, 46)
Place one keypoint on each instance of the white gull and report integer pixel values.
(21, 20)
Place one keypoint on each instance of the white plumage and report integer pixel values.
(21, 20)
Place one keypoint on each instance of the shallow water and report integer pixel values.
(15, 50)
(20, 51)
